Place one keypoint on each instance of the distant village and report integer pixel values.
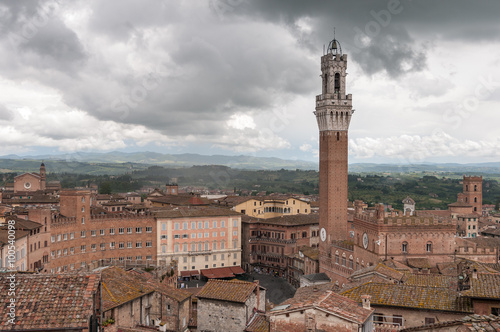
(178, 260)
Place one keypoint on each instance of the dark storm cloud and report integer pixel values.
(36, 36)
(381, 35)
(182, 71)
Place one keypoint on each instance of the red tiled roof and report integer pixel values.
(427, 297)
(322, 297)
(258, 323)
(45, 301)
(222, 272)
(486, 286)
(227, 290)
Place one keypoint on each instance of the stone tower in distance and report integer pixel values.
(333, 113)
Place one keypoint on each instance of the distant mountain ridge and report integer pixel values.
(172, 160)
(121, 162)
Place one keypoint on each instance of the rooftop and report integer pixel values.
(46, 301)
(322, 297)
(407, 296)
(227, 290)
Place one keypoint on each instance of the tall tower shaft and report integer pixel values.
(333, 113)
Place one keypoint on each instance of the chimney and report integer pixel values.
(474, 274)
(258, 294)
(365, 299)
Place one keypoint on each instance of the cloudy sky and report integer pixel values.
(240, 77)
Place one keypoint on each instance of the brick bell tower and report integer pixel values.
(333, 113)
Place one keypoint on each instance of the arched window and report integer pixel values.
(338, 135)
(428, 246)
(466, 187)
(336, 257)
(475, 199)
(337, 82)
(325, 83)
(404, 247)
(475, 187)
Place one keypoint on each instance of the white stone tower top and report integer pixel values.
(333, 106)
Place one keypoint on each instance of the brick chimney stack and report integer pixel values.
(365, 299)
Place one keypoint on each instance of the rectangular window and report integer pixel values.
(83, 248)
(82, 234)
(101, 232)
(149, 229)
(222, 223)
(200, 235)
(214, 246)
(235, 222)
(397, 320)
(193, 247)
(163, 237)
(164, 249)
(185, 236)
(163, 227)
(129, 230)
(83, 220)
(214, 234)
(121, 245)
(138, 244)
(235, 244)
(235, 233)
(222, 256)
(177, 236)
(200, 225)
(185, 247)
(206, 225)
(214, 224)
(176, 247)
(71, 250)
(149, 244)
(193, 235)
(103, 246)
(71, 236)
(58, 237)
(214, 257)
(121, 230)
(149, 258)
(193, 225)
(429, 320)
(129, 244)
(93, 232)
(137, 258)
(176, 226)
(206, 234)
(185, 225)
(65, 252)
(222, 233)
(112, 231)
(53, 238)
(93, 246)
(138, 229)
(112, 245)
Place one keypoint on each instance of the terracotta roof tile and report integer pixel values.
(258, 323)
(430, 298)
(322, 297)
(484, 286)
(227, 290)
(46, 301)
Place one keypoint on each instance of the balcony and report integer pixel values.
(199, 253)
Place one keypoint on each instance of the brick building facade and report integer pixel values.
(267, 243)
(80, 240)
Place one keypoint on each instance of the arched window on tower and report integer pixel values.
(428, 246)
(338, 135)
(475, 199)
(325, 83)
(475, 187)
(466, 187)
(337, 82)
